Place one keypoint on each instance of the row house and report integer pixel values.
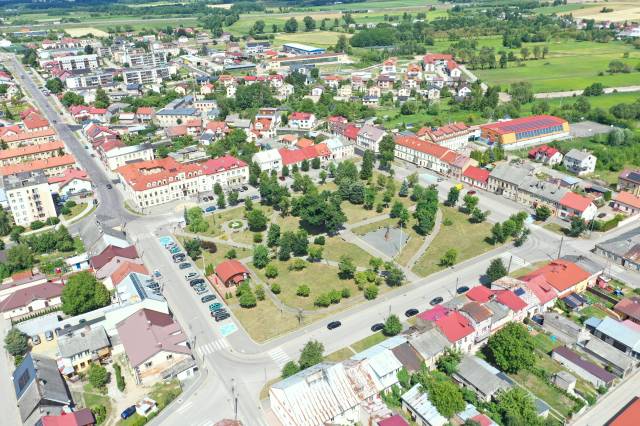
(22, 138)
(476, 177)
(52, 166)
(452, 136)
(31, 152)
(431, 156)
(82, 113)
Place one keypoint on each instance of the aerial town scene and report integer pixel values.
(320, 212)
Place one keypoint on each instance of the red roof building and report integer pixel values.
(543, 291)
(629, 308)
(510, 300)
(31, 299)
(476, 176)
(395, 420)
(125, 269)
(479, 294)
(231, 272)
(110, 252)
(454, 326)
(562, 275)
(54, 166)
(575, 201)
(83, 417)
(525, 129)
(628, 415)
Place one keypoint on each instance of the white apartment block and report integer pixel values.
(89, 81)
(146, 75)
(142, 59)
(29, 197)
(118, 157)
(78, 62)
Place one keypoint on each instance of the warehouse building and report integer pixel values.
(526, 131)
(301, 49)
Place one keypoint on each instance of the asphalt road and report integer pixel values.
(236, 366)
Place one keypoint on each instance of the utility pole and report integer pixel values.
(509, 267)
(560, 247)
(235, 399)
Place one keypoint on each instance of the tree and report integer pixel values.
(386, 155)
(516, 407)
(303, 290)
(395, 276)
(543, 213)
(404, 189)
(448, 362)
(371, 292)
(98, 376)
(230, 254)
(55, 85)
(233, 198)
(346, 267)
(449, 257)
(445, 396)
(453, 196)
(496, 270)
(271, 271)
(5, 223)
(221, 201)
(311, 354)
(256, 220)
(315, 163)
(16, 342)
(289, 369)
(392, 325)
(342, 45)
(497, 234)
(273, 236)
(291, 26)
(193, 248)
(315, 253)
(83, 293)
(470, 202)
(511, 349)
(260, 256)
(479, 216)
(19, 257)
(366, 170)
(71, 98)
(100, 413)
(309, 23)
(578, 226)
(102, 99)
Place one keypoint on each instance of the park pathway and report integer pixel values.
(427, 241)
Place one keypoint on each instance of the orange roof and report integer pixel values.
(155, 173)
(30, 149)
(28, 135)
(126, 268)
(304, 142)
(628, 199)
(35, 121)
(47, 163)
(428, 148)
(560, 274)
(231, 269)
(145, 111)
(575, 201)
(628, 415)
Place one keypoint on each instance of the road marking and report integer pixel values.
(279, 356)
(211, 347)
(228, 329)
(184, 406)
(516, 261)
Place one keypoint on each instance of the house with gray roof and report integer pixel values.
(533, 192)
(619, 362)
(580, 162)
(40, 389)
(623, 249)
(369, 138)
(589, 371)
(505, 179)
(430, 345)
(480, 377)
(622, 335)
(81, 348)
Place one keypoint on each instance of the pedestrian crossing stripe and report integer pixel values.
(279, 356)
(215, 346)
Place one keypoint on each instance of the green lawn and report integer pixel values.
(335, 247)
(544, 391)
(368, 341)
(320, 277)
(473, 244)
(89, 398)
(339, 355)
(570, 65)
(544, 343)
(76, 210)
(266, 321)
(604, 101)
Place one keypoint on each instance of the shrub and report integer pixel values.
(100, 413)
(303, 290)
(335, 296)
(275, 288)
(231, 254)
(36, 224)
(260, 292)
(297, 265)
(257, 237)
(346, 293)
(323, 301)
(319, 240)
(119, 379)
(52, 221)
(271, 271)
(98, 376)
(371, 292)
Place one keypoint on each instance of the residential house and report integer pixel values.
(31, 300)
(592, 373)
(505, 179)
(546, 155)
(231, 273)
(629, 309)
(269, 160)
(82, 417)
(302, 120)
(452, 324)
(145, 115)
(31, 152)
(416, 402)
(121, 156)
(153, 343)
(430, 344)
(476, 177)
(564, 276)
(40, 389)
(480, 317)
(629, 181)
(622, 335)
(340, 149)
(580, 162)
(626, 203)
(28, 196)
(105, 263)
(477, 375)
(80, 349)
(381, 363)
(576, 205)
(369, 138)
(452, 136)
(72, 182)
(624, 249)
(617, 361)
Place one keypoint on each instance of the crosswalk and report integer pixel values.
(516, 262)
(279, 357)
(211, 347)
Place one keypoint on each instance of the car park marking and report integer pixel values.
(279, 356)
(228, 329)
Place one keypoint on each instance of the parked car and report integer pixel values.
(156, 273)
(201, 291)
(411, 312)
(472, 192)
(436, 300)
(48, 335)
(208, 298)
(245, 187)
(174, 250)
(215, 306)
(185, 265)
(210, 209)
(196, 282)
(334, 324)
(178, 259)
(377, 327)
(128, 412)
(35, 340)
(255, 197)
(462, 289)
(222, 317)
(190, 275)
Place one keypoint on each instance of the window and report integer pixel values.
(148, 364)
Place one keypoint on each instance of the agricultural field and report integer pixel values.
(316, 38)
(570, 65)
(628, 10)
(83, 31)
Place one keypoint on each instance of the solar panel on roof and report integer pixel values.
(634, 176)
(519, 291)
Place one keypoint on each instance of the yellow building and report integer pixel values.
(526, 131)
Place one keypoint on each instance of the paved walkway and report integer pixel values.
(427, 241)
(213, 239)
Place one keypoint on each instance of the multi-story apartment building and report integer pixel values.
(89, 80)
(120, 156)
(29, 197)
(142, 59)
(31, 152)
(19, 139)
(146, 75)
(452, 136)
(369, 137)
(78, 62)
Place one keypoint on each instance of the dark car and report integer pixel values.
(222, 317)
(178, 258)
(334, 324)
(462, 289)
(472, 192)
(208, 298)
(128, 412)
(411, 312)
(377, 327)
(197, 281)
(245, 187)
(209, 209)
(436, 300)
(109, 186)
(184, 265)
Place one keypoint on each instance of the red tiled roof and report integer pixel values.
(68, 176)
(629, 307)
(217, 126)
(510, 300)
(436, 57)
(126, 268)
(300, 116)
(477, 174)
(145, 111)
(221, 164)
(476, 311)
(543, 149)
(110, 252)
(351, 132)
(30, 149)
(395, 420)
(482, 420)
(543, 291)
(162, 171)
(83, 417)
(525, 124)
(23, 136)
(560, 274)
(434, 313)
(479, 293)
(47, 163)
(628, 415)
(23, 297)
(428, 148)
(454, 326)
(230, 269)
(575, 201)
(304, 142)
(35, 121)
(627, 198)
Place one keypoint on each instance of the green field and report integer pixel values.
(371, 5)
(570, 65)
(604, 101)
(315, 38)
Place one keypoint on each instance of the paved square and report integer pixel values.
(388, 240)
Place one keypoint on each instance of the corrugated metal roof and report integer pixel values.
(420, 403)
(620, 332)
